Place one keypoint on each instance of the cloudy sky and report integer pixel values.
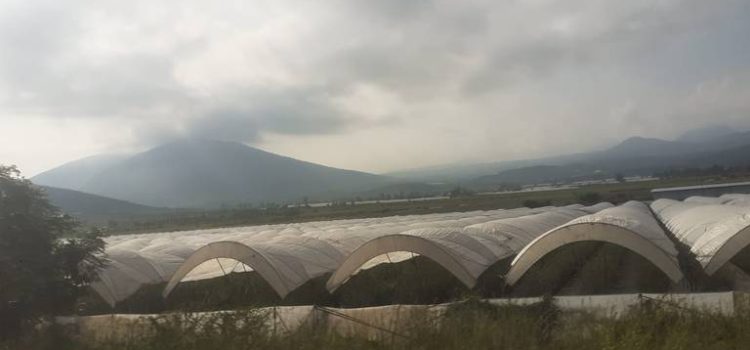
(374, 85)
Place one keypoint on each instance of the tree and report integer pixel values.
(620, 178)
(459, 191)
(589, 198)
(44, 262)
(532, 203)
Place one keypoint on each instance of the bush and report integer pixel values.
(589, 198)
(531, 203)
(43, 264)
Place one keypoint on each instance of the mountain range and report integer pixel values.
(205, 173)
(209, 174)
(700, 140)
(636, 156)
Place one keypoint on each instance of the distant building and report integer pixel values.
(680, 193)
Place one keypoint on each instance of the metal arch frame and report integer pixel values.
(728, 250)
(231, 250)
(396, 243)
(587, 231)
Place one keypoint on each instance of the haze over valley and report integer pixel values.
(199, 173)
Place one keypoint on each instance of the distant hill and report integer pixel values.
(76, 174)
(91, 207)
(205, 173)
(538, 174)
(456, 173)
(706, 134)
(637, 147)
(407, 190)
(633, 155)
(736, 156)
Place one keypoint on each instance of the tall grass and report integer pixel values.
(473, 324)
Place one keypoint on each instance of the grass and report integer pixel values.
(472, 324)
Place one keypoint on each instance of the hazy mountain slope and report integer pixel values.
(635, 153)
(74, 175)
(636, 147)
(463, 172)
(727, 141)
(87, 206)
(706, 134)
(607, 167)
(452, 172)
(538, 174)
(199, 173)
(736, 156)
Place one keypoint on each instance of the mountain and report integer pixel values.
(706, 134)
(454, 172)
(538, 174)
(91, 207)
(736, 156)
(205, 173)
(76, 174)
(633, 156)
(636, 147)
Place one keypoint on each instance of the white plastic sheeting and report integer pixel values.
(714, 232)
(466, 252)
(736, 199)
(285, 262)
(730, 199)
(706, 200)
(285, 255)
(631, 226)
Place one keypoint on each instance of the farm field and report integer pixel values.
(192, 220)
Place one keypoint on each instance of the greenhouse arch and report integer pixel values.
(593, 231)
(728, 250)
(231, 250)
(400, 242)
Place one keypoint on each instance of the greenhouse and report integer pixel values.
(506, 243)
(286, 256)
(466, 253)
(715, 233)
(630, 226)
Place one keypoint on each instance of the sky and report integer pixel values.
(367, 85)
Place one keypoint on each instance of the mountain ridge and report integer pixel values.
(208, 173)
(630, 150)
(90, 207)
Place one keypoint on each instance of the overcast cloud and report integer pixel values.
(367, 85)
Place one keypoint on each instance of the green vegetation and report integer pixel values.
(43, 266)
(472, 324)
(589, 198)
(459, 192)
